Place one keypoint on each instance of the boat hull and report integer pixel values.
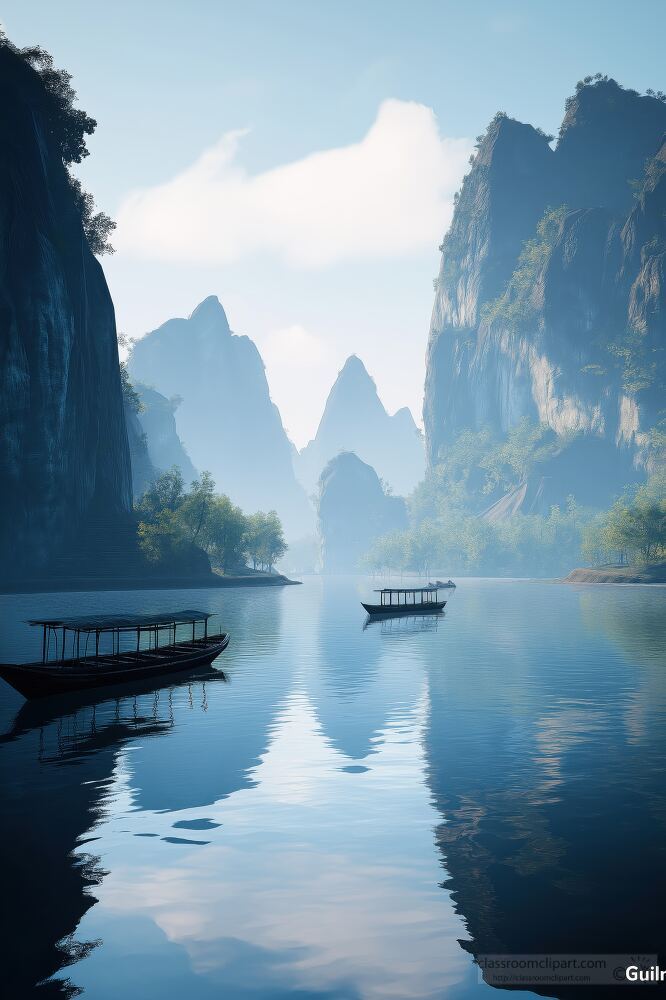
(37, 680)
(389, 611)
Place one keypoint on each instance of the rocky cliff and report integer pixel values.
(354, 419)
(550, 296)
(226, 419)
(63, 445)
(143, 471)
(157, 420)
(353, 511)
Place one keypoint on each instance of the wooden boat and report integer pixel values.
(406, 601)
(58, 673)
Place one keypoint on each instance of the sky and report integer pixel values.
(299, 159)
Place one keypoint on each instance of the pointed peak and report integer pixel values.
(404, 416)
(354, 370)
(355, 365)
(355, 381)
(210, 310)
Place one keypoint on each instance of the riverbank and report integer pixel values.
(212, 580)
(619, 574)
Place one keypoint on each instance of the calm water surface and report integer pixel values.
(339, 811)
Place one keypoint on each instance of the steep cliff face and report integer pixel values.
(226, 418)
(63, 444)
(354, 419)
(143, 470)
(157, 420)
(549, 301)
(353, 511)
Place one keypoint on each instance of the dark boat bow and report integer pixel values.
(120, 666)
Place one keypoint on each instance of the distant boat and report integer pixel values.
(444, 586)
(58, 673)
(406, 601)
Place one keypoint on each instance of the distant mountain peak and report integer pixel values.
(355, 420)
(354, 370)
(404, 416)
(209, 311)
(226, 419)
(354, 389)
(354, 363)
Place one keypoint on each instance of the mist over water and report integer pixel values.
(339, 811)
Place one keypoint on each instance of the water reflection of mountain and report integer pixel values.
(352, 688)
(53, 775)
(553, 831)
(192, 743)
(202, 764)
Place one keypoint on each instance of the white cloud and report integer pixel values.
(388, 195)
(301, 367)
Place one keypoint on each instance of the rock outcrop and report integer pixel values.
(353, 511)
(157, 420)
(550, 296)
(226, 419)
(355, 419)
(63, 444)
(143, 471)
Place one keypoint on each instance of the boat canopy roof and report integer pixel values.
(407, 590)
(114, 623)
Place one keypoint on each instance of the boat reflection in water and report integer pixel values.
(404, 624)
(58, 757)
(350, 815)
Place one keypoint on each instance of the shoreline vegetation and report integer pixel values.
(493, 508)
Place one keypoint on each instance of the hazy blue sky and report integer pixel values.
(209, 113)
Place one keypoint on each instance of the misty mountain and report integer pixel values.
(64, 456)
(355, 419)
(143, 471)
(226, 419)
(353, 511)
(157, 419)
(550, 300)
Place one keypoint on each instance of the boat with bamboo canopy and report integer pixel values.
(99, 651)
(406, 601)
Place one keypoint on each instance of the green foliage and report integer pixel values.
(165, 494)
(130, 395)
(161, 540)
(478, 464)
(224, 534)
(509, 463)
(448, 533)
(633, 530)
(68, 127)
(174, 521)
(641, 364)
(459, 542)
(264, 540)
(195, 508)
(515, 307)
(97, 226)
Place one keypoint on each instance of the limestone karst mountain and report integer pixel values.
(551, 300)
(226, 418)
(153, 438)
(353, 511)
(64, 456)
(157, 419)
(355, 419)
